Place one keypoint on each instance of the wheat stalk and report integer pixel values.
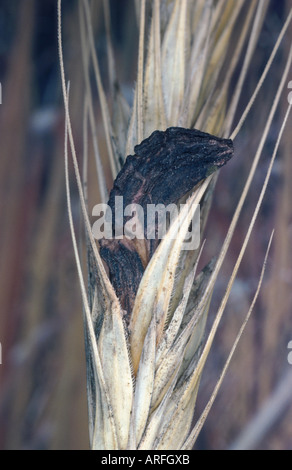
(142, 386)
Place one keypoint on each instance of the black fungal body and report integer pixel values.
(165, 167)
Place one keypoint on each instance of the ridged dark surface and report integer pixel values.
(165, 167)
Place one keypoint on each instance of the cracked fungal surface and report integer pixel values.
(166, 166)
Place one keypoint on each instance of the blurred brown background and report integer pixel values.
(42, 375)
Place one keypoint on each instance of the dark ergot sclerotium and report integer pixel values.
(165, 167)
